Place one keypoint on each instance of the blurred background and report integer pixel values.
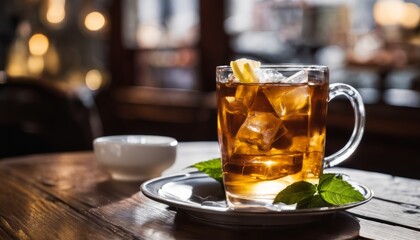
(71, 71)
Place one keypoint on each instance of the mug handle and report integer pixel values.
(341, 89)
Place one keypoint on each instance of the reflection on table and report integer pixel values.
(68, 195)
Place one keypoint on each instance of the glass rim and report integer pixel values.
(284, 67)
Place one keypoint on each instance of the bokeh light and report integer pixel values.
(38, 44)
(55, 11)
(93, 79)
(396, 12)
(411, 16)
(95, 21)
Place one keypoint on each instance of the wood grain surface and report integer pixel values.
(69, 196)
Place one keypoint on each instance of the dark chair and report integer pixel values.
(37, 117)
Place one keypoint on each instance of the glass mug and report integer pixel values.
(273, 133)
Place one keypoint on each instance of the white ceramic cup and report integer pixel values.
(135, 157)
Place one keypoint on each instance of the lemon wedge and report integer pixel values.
(244, 69)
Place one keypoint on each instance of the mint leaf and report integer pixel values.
(327, 177)
(295, 192)
(212, 167)
(337, 191)
(314, 201)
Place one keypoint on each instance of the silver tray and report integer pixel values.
(202, 198)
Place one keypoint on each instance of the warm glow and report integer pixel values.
(38, 44)
(411, 15)
(56, 11)
(388, 12)
(266, 187)
(52, 60)
(269, 163)
(35, 65)
(17, 60)
(14, 69)
(95, 21)
(93, 79)
(396, 12)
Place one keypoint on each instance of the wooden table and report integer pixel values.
(69, 196)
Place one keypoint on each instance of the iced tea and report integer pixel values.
(271, 135)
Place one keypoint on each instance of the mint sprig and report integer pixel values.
(331, 190)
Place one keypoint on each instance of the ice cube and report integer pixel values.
(232, 117)
(288, 100)
(299, 77)
(244, 97)
(258, 131)
(234, 107)
(273, 167)
(261, 103)
(246, 148)
(245, 94)
(232, 78)
(269, 75)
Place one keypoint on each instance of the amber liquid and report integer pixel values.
(271, 135)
